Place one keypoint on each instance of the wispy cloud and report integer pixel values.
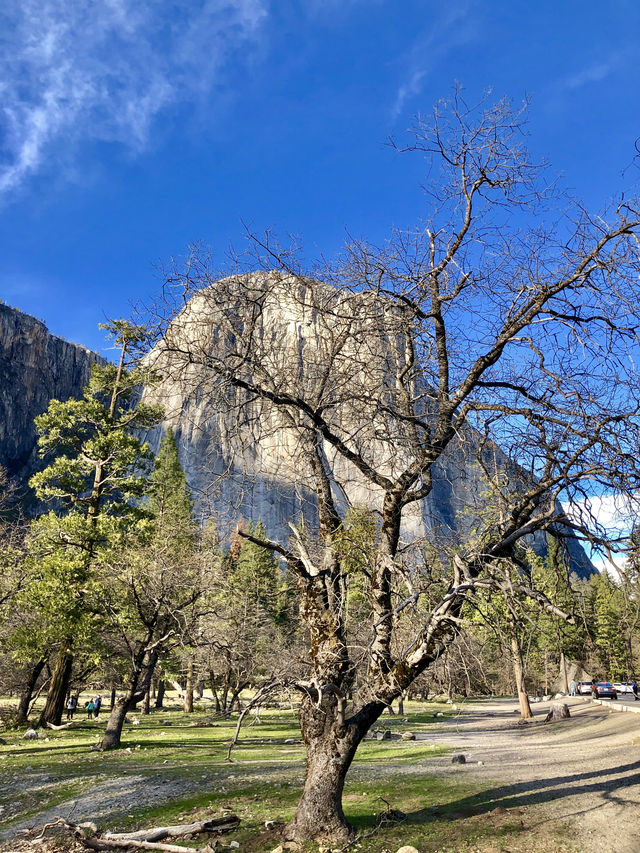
(591, 74)
(453, 28)
(611, 517)
(104, 71)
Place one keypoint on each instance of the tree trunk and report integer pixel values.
(160, 693)
(319, 816)
(563, 673)
(188, 690)
(54, 706)
(115, 723)
(214, 692)
(145, 703)
(112, 701)
(518, 671)
(27, 693)
(139, 682)
(235, 701)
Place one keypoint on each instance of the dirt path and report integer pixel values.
(582, 772)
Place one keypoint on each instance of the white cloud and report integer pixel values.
(408, 90)
(592, 74)
(71, 72)
(610, 517)
(450, 29)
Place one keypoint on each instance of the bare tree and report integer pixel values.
(497, 336)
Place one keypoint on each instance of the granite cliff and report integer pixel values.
(35, 367)
(242, 461)
(232, 473)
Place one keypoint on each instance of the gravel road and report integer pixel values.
(583, 772)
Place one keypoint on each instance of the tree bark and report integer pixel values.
(330, 750)
(115, 723)
(188, 690)
(139, 682)
(27, 693)
(214, 692)
(518, 671)
(145, 703)
(160, 693)
(563, 673)
(54, 706)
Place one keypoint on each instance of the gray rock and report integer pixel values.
(30, 734)
(408, 736)
(35, 367)
(458, 759)
(386, 735)
(263, 478)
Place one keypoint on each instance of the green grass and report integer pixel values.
(262, 781)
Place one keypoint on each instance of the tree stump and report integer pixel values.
(558, 711)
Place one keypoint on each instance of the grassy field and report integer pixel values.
(172, 768)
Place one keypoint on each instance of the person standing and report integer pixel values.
(90, 709)
(572, 688)
(71, 707)
(97, 704)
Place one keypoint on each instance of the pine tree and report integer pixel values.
(151, 603)
(606, 611)
(95, 472)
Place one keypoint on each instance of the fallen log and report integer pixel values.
(143, 839)
(63, 726)
(218, 824)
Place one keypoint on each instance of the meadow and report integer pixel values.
(173, 768)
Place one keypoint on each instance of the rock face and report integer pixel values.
(35, 367)
(232, 474)
(242, 462)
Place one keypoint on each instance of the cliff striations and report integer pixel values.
(243, 458)
(35, 367)
(241, 462)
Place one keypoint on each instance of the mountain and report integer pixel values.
(243, 461)
(35, 367)
(233, 474)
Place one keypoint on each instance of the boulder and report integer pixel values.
(408, 736)
(30, 734)
(386, 735)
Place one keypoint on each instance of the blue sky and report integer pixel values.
(131, 128)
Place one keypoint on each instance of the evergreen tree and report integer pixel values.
(606, 609)
(94, 476)
(151, 602)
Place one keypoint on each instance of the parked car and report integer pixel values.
(603, 690)
(584, 688)
(626, 687)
